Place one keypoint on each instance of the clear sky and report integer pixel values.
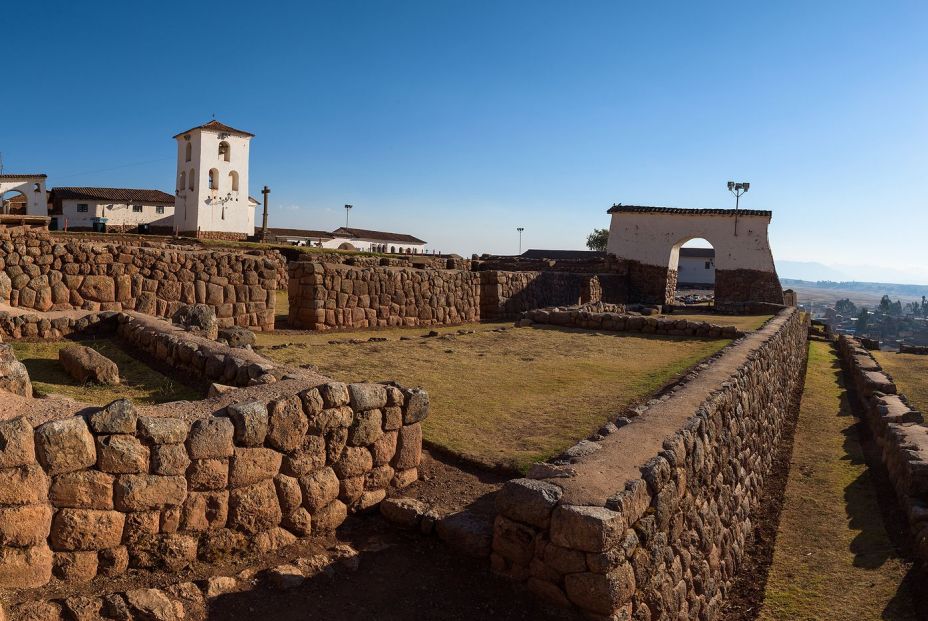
(460, 121)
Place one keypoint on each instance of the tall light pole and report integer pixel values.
(738, 189)
(347, 211)
(265, 191)
(520, 229)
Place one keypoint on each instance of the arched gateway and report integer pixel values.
(31, 188)
(647, 240)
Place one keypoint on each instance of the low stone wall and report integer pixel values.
(32, 326)
(629, 527)
(900, 432)
(87, 491)
(619, 322)
(919, 350)
(41, 273)
(505, 295)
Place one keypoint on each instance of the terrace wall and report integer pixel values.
(326, 295)
(96, 491)
(620, 322)
(38, 272)
(663, 537)
(899, 430)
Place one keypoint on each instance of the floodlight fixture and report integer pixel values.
(738, 188)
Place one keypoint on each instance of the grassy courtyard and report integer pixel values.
(138, 381)
(507, 397)
(833, 557)
(742, 322)
(910, 371)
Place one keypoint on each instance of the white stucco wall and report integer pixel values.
(367, 245)
(693, 270)
(199, 208)
(36, 202)
(654, 238)
(117, 214)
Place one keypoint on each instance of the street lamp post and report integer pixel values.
(520, 229)
(738, 189)
(347, 211)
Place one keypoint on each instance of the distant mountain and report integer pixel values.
(881, 288)
(809, 270)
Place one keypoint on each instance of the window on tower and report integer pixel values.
(189, 152)
(233, 180)
(182, 180)
(225, 151)
(193, 177)
(213, 179)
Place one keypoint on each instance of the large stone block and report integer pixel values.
(528, 500)
(253, 465)
(208, 474)
(88, 365)
(121, 454)
(87, 489)
(162, 430)
(254, 508)
(17, 447)
(86, 529)
(140, 492)
(408, 447)
(211, 438)
(591, 529)
(250, 420)
(205, 510)
(354, 461)
(330, 517)
(169, 459)
(417, 405)
(367, 396)
(25, 568)
(319, 488)
(287, 424)
(366, 428)
(601, 594)
(117, 417)
(65, 445)
(25, 525)
(98, 289)
(14, 377)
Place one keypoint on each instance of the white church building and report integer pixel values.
(211, 198)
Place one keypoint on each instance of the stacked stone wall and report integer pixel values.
(899, 430)
(666, 543)
(620, 322)
(38, 272)
(105, 490)
(505, 295)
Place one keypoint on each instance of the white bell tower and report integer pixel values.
(212, 183)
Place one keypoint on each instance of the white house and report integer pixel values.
(111, 210)
(344, 238)
(212, 183)
(696, 267)
(23, 192)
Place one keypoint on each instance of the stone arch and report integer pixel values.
(31, 187)
(14, 203)
(647, 241)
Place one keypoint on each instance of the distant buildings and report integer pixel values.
(111, 209)
(344, 238)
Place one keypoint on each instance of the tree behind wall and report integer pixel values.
(598, 240)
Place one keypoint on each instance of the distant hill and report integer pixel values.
(880, 288)
(810, 271)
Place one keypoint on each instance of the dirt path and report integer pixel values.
(837, 549)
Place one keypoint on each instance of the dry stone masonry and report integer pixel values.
(579, 317)
(41, 273)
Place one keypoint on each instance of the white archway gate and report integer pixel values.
(30, 186)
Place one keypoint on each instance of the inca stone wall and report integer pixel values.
(900, 432)
(620, 322)
(38, 272)
(99, 491)
(643, 529)
(325, 295)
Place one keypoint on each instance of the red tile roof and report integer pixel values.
(122, 195)
(216, 126)
(687, 212)
(23, 176)
(376, 235)
(275, 232)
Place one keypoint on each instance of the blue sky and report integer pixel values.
(459, 121)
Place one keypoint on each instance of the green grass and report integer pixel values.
(910, 372)
(139, 382)
(833, 558)
(505, 398)
(742, 322)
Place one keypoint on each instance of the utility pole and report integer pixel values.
(265, 191)
(348, 209)
(738, 189)
(520, 229)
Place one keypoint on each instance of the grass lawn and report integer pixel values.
(833, 558)
(742, 322)
(911, 374)
(504, 398)
(139, 382)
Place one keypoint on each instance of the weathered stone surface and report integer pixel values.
(251, 422)
(113, 561)
(367, 396)
(299, 521)
(319, 488)
(25, 567)
(591, 529)
(254, 508)
(528, 500)
(25, 525)
(211, 438)
(253, 465)
(354, 462)
(98, 289)
(139, 492)
(287, 424)
(288, 493)
(334, 394)
(86, 529)
(65, 445)
(121, 454)
(405, 512)
(366, 428)
(601, 594)
(88, 365)
(466, 533)
(273, 539)
(408, 447)
(162, 430)
(205, 510)
(86, 489)
(14, 377)
(417, 406)
(169, 459)
(514, 541)
(220, 585)
(151, 605)
(17, 447)
(117, 417)
(384, 448)
(237, 336)
(330, 517)
(285, 577)
(198, 318)
(75, 566)
(404, 478)
(208, 474)
(23, 485)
